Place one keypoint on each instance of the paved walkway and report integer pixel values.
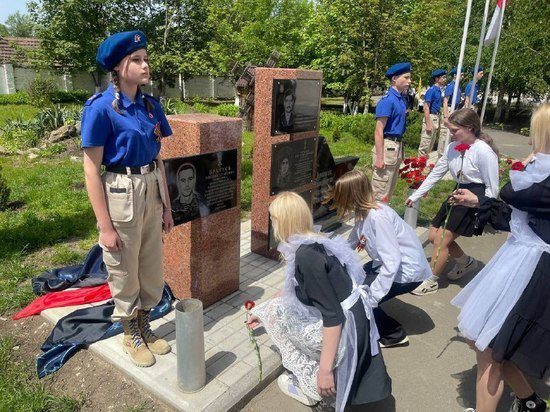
(230, 360)
(511, 144)
(436, 372)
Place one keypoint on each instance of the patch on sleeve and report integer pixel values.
(92, 99)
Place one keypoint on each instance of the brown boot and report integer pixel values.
(155, 344)
(134, 346)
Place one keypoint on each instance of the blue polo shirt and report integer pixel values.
(434, 98)
(394, 108)
(449, 94)
(469, 89)
(128, 139)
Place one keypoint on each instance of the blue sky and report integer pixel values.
(8, 7)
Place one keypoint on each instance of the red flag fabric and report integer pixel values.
(65, 298)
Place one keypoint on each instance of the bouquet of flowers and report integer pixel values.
(415, 170)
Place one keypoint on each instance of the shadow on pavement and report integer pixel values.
(415, 320)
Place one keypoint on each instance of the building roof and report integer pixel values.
(9, 45)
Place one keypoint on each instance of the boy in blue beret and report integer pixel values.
(391, 115)
(472, 102)
(122, 129)
(449, 90)
(432, 122)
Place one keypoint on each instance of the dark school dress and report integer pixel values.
(524, 338)
(324, 283)
(462, 219)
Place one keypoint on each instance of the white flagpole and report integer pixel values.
(480, 48)
(460, 60)
(495, 50)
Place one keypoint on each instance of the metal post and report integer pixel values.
(495, 50)
(460, 60)
(480, 47)
(190, 345)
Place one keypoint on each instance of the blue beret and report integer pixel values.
(453, 71)
(398, 68)
(114, 48)
(479, 69)
(439, 72)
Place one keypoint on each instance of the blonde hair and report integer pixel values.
(353, 193)
(469, 119)
(540, 129)
(290, 215)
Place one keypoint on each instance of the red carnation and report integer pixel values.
(385, 199)
(407, 161)
(518, 166)
(462, 147)
(501, 170)
(431, 165)
(423, 159)
(249, 304)
(509, 161)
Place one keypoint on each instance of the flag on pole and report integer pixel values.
(495, 21)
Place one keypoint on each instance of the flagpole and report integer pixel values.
(460, 60)
(495, 50)
(480, 48)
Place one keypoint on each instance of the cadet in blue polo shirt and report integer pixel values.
(391, 115)
(122, 129)
(449, 90)
(433, 101)
(473, 103)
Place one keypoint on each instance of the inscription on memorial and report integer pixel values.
(201, 185)
(291, 164)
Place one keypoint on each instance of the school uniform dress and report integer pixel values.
(476, 171)
(434, 97)
(324, 287)
(134, 192)
(507, 305)
(398, 264)
(393, 107)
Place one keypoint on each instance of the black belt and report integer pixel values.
(137, 170)
(393, 137)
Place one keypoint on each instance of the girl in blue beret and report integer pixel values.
(122, 129)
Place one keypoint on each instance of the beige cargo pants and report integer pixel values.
(135, 272)
(427, 141)
(384, 180)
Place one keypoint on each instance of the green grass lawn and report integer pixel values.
(13, 111)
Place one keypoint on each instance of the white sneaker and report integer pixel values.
(427, 287)
(290, 388)
(470, 410)
(402, 342)
(458, 271)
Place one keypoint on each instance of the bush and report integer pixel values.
(227, 110)
(175, 106)
(200, 108)
(21, 97)
(41, 91)
(336, 134)
(19, 139)
(72, 96)
(525, 131)
(4, 192)
(414, 128)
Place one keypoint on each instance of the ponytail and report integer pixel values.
(489, 140)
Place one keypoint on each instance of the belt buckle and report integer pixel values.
(145, 169)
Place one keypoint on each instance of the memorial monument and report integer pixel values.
(203, 173)
(289, 153)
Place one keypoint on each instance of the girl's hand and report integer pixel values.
(409, 202)
(528, 159)
(325, 383)
(463, 197)
(167, 220)
(253, 322)
(110, 240)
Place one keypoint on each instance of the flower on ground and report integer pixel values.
(248, 305)
(462, 147)
(509, 161)
(518, 166)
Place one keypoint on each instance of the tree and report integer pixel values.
(20, 25)
(4, 30)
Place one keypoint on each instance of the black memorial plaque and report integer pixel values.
(291, 164)
(295, 106)
(201, 185)
(271, 241)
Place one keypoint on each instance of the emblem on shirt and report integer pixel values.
(361, 244)
(157, 132)
(137, 38)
